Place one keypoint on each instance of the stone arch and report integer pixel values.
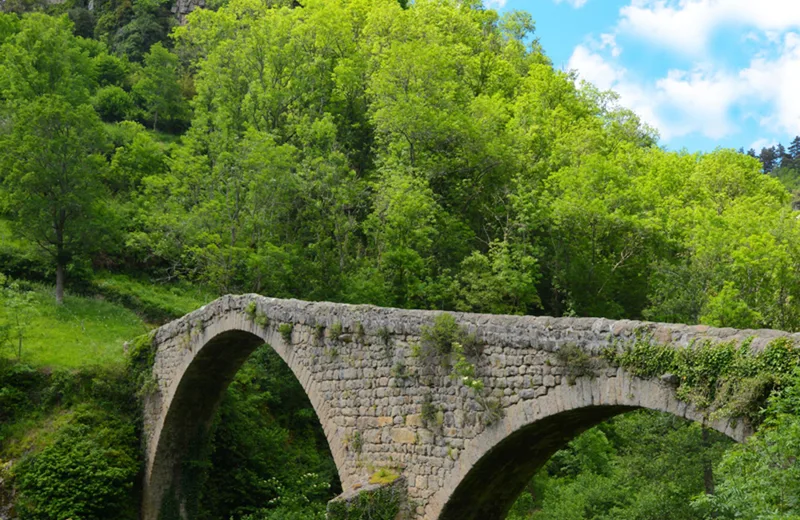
(494, 467)
(196, 359)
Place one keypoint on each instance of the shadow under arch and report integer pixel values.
(495, 466)
(190, 403)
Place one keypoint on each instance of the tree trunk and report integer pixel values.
(59, 283)
(708, 470)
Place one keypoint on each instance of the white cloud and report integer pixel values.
(758, 144)
(701, 98)
(495, 4)
(574, 3)
(687, 25)
(681, 103)
(775, 82)
(609, 41)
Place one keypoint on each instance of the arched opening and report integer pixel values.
(266, 452)
(187, 438)
(494, 485)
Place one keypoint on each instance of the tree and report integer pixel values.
(44, 57)
(781, 156)
(761, 477)
(794, 148)
(51, 181)
(16, 310)
(768, 158)
(158, 87)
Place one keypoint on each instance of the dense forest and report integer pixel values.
(782, 163)
(419, 155)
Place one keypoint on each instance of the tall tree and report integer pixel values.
(768, 157)
(794, 148)
(51, 181)
(158, 87)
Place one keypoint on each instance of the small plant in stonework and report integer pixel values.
(473, 347)
(360, 331)
(492, 409)
(336, 330)
(385, 335)
(319, 332)
(251, 310)
(400, 371)
(285, 331)
(441, 336)
(576, 361)
(428, 410)
(355, 442)
(464, 370)
(262, 320)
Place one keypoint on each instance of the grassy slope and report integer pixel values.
(92, 330)
(83, 331)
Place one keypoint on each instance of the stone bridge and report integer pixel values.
(385, 402)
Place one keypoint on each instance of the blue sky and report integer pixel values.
(704, 73)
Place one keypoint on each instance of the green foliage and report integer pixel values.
(727, 379)
(575, 360)
(319, 332)
(262, 320)
(299, 500)
(727, 309)
(81, 332)
(158, 89)
(400, 371)
(428, 411)
(267, 439)
(355, 443)
(442, 335)
(385, 336)
(156, 303)
(383, 503)
(641, 465)
(251, 310)
(42, 57)
(493, 409)
(415, 154)
(17, 309)
(112, 103)
(140, 361)
(72, 435)
(51, 186)
(88, 471)
(285, 330)
(464, 370)
(336, 330)
(759, 478)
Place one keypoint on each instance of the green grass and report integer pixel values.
(81, 332)
(156, 303)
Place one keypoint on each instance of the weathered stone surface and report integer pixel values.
(372, 393)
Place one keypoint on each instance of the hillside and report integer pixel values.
(418, 154)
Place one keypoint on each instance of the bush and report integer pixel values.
(88, 472)
(112, 103)
(441, 336)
